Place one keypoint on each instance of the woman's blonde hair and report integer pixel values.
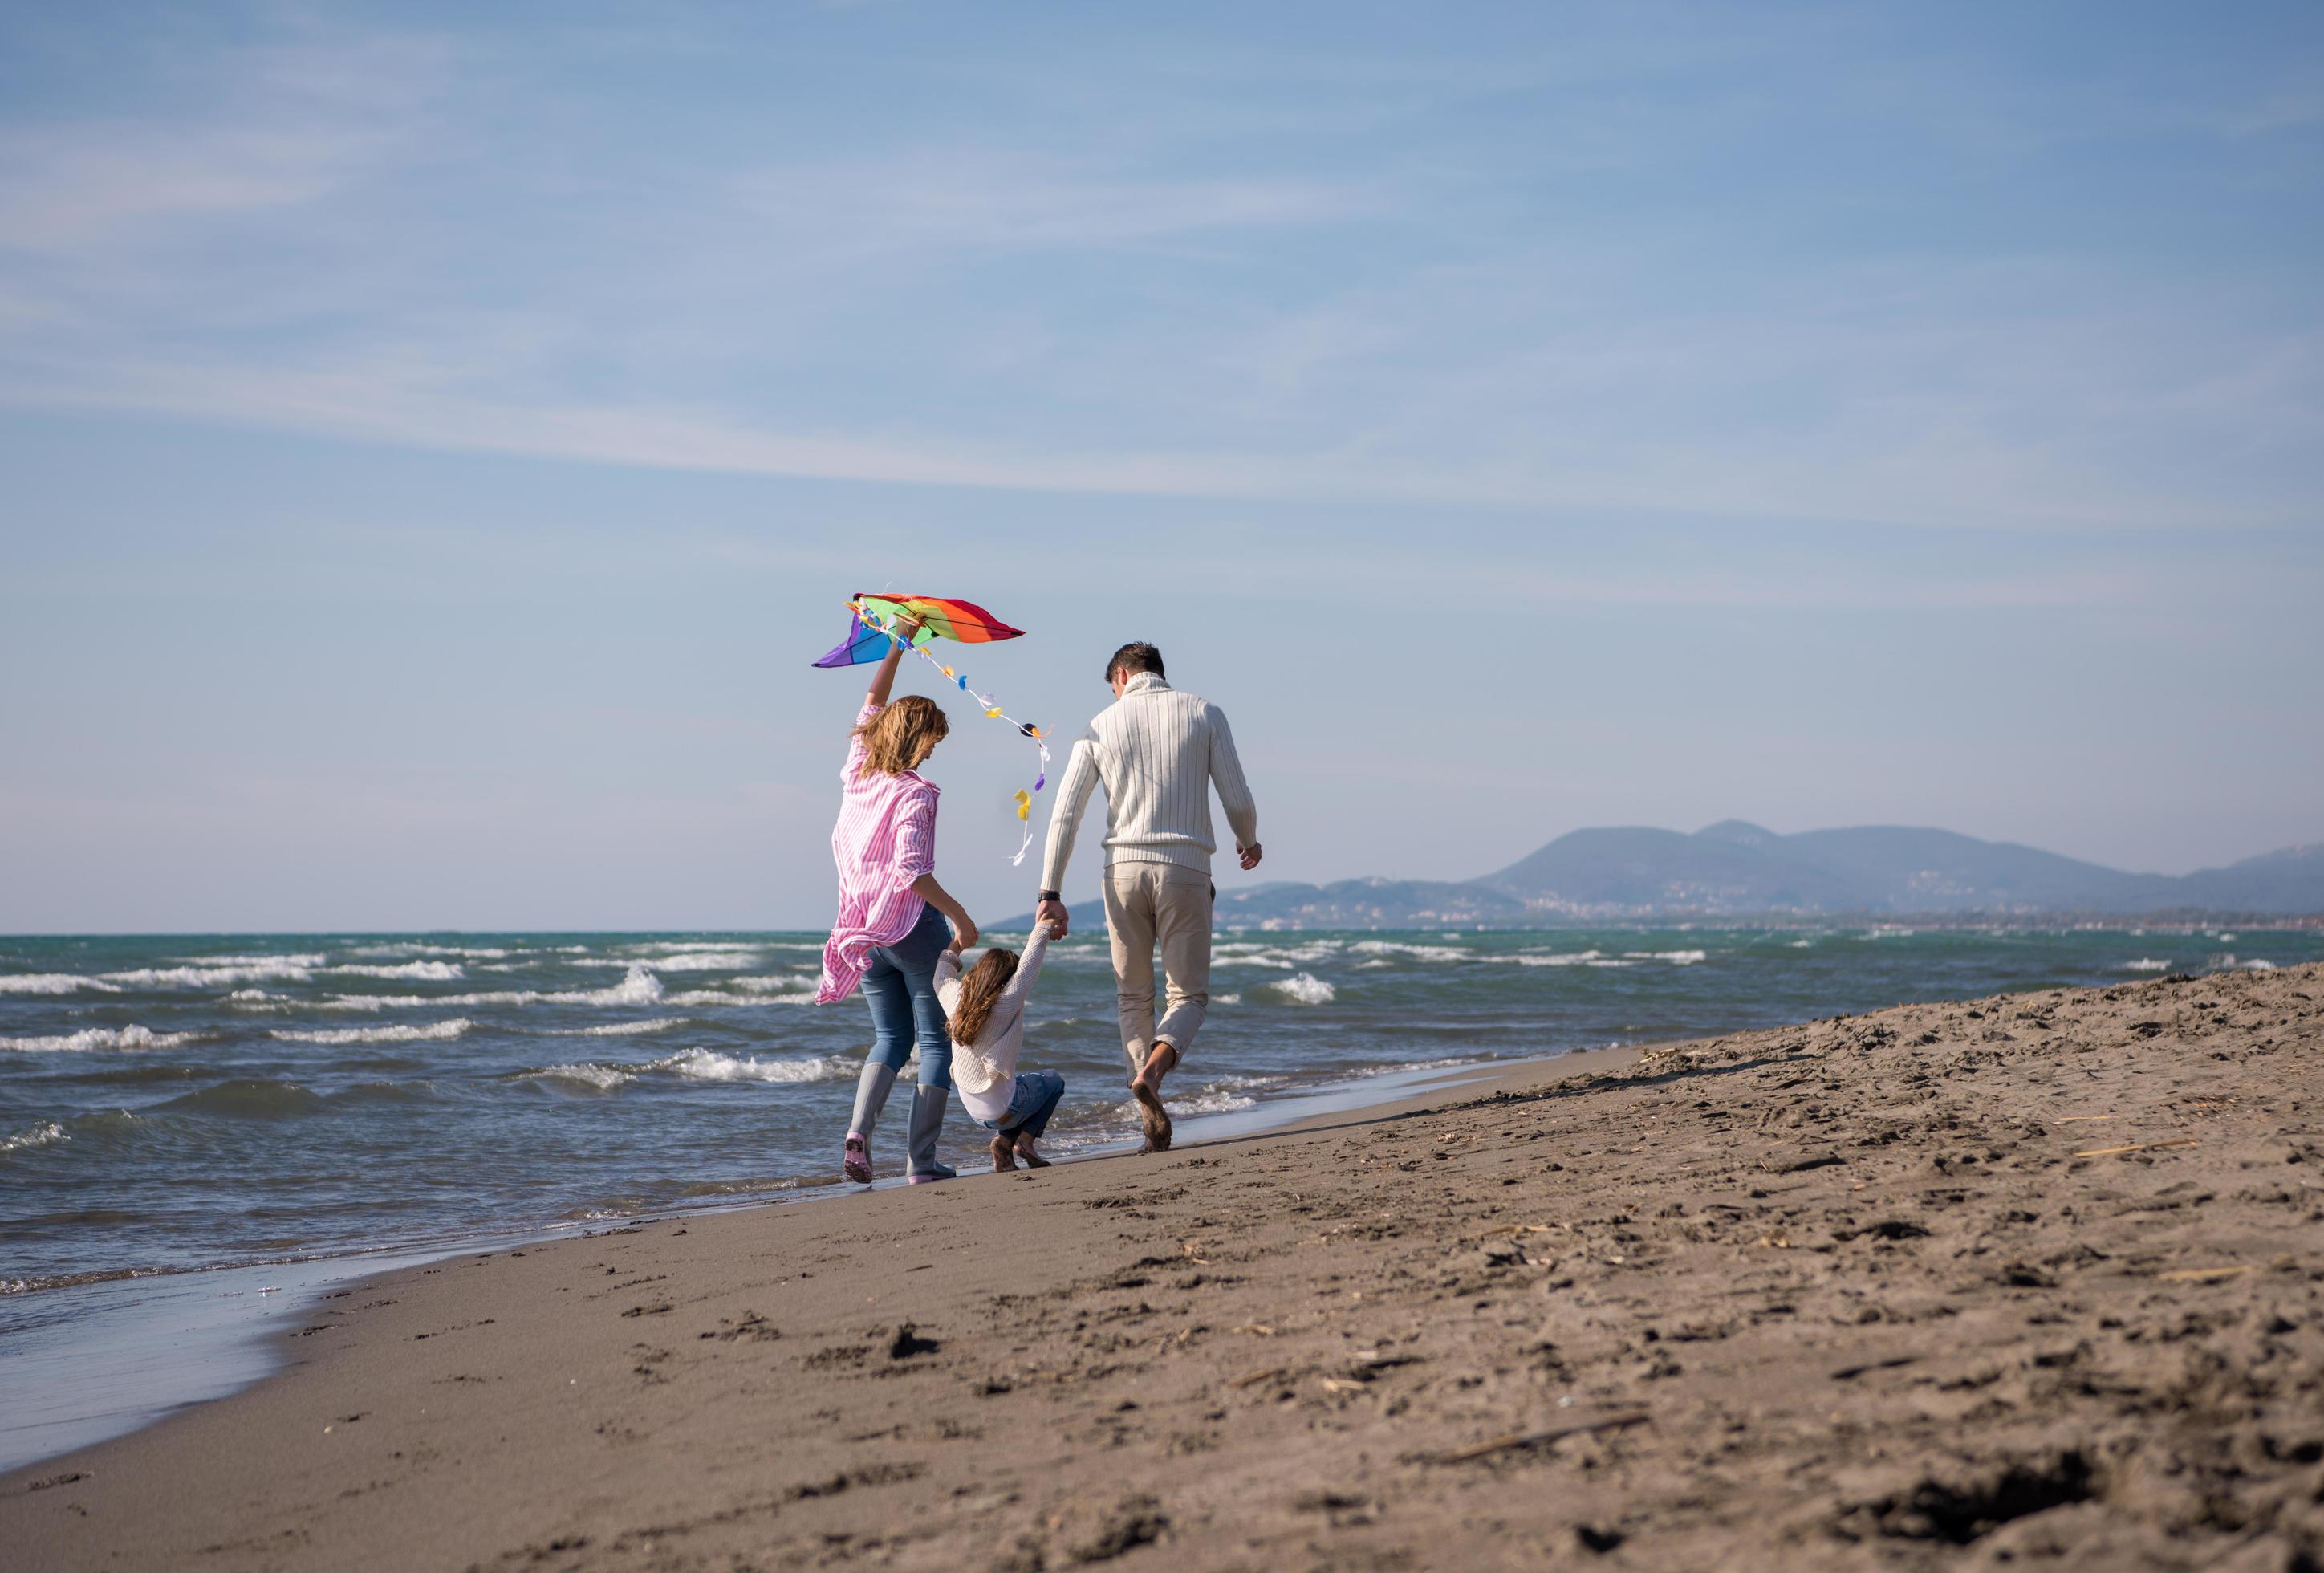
(902, 735)
(978, 990)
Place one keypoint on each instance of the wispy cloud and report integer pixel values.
(948, 201)
(373, 237)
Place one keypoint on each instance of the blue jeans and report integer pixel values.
(1031, 1105)
(901, 988)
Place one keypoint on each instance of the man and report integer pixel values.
(1158, 752)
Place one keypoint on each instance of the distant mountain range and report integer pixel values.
(1737, 870)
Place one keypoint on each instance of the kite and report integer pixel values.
(870, 639)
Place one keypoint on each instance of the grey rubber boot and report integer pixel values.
(920, 1164)
(871, 1096)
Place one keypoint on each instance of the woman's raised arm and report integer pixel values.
(884, 679)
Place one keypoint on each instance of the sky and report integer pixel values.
(436, 438)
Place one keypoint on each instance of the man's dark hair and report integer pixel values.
(1134, 658)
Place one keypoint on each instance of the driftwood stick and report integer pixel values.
(2135, 1147)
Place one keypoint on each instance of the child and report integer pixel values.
(985, 1014)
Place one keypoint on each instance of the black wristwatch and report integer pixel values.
(1046, 895)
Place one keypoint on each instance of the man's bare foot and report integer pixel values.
(1147, 1088)
(1004, 1154)
(1032, 1160)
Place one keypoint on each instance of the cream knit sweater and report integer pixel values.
(1158, 753)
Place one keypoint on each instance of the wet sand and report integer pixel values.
(2029, 1281)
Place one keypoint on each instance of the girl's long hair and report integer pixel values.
(978, 990)
(902, 735)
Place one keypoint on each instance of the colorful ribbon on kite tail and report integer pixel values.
(985, 702)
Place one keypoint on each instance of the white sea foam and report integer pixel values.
(315, 958)
(1304, 988)
(685, 947)
(1374, 964)
(1245, 953)
(417, 947)
(1226, 999)
(1362, 1072)
(711, 996)
(641, 987)
(434, 1032)
(40, 1136)
(622, 1029)
(2146, 964)
(707, 1065)
(2259, 964)
(54, 983)
(706, 960)
(92, 1038)
(603, 1077)
(1553, 959)
(1675, 958)
(250, 969)
(418, 971)
(1803, 944)
(1417, 952)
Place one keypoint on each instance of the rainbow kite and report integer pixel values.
(940, 618)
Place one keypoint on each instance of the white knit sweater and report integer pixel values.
(1158, 753)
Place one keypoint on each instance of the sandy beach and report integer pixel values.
(2030, 1279)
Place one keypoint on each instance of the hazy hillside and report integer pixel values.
(1735, 869)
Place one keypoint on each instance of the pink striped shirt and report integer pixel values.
(885, 839)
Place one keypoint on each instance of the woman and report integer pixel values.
(892, 924)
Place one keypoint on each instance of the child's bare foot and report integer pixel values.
(1004, 1154)
(1024, 1149)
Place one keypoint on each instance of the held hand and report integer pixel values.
(1052, 931)
(1249, 855)
(963, 931)
(1053, 914)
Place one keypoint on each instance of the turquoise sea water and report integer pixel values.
(174, 1104)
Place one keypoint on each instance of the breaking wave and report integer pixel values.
(54, 983)
(90, 1038)
(2146, 964)
(1417, 952)
(239, 969)
(40, 1136)
(599, 1077)
(702, 1065)
(419, 971)
(1304, 988)
(621, 1028)
(707, 1065)
(434, 1032)
(641, 987)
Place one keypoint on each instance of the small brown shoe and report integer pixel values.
(1004, 1154)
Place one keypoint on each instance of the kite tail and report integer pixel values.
(991, 708)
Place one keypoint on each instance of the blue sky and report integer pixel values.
(438, 438)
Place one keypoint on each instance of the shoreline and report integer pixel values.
(167, 1341)
(2033, 1278)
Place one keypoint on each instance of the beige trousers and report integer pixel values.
(1148, 903)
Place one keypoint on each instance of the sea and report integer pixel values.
(190, 1120)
